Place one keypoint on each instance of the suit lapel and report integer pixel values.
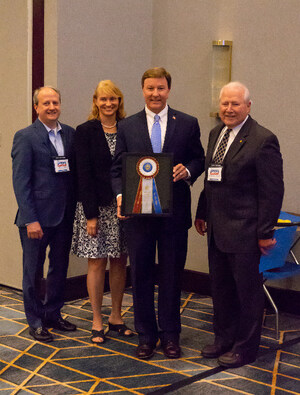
(211, 146)
(99, 136)
(239, 141)
(43, 136)
(171, 128)
(64, 140)
(142, 131)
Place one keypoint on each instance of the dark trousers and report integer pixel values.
(143, 236)
(238, 299)
(58, 238)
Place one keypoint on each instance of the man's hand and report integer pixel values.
(265, 245)
(34, 231)
(179, 172)
(119, 206)
(200, 226)
(91, 226)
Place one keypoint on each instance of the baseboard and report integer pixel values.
(285, 299)
(196, 282)
(76, 286)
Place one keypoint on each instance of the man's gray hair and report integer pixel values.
(239, 85)
(37, 91)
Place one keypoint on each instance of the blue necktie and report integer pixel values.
(156, 135)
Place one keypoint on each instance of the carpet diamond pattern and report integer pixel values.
(71, 364)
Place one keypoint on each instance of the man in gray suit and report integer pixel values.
(238, 209)
(42, 179)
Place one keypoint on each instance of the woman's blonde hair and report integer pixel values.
(107, 87)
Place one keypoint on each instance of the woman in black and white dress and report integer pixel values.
(97, 234)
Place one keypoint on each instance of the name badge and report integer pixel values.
(215, 173)
(61, 164)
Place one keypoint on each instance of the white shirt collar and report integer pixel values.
(162, 114)
(237, 128)
(57, 129)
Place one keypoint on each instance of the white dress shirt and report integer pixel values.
(56, 139)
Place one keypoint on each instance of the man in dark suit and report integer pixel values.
(43, 187)
(238, 208)
(179, 134)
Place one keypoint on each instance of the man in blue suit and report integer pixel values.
(179, 134)
(42, 180)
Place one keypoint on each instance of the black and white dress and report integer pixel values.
(109, 241)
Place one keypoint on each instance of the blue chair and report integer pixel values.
(281, 262)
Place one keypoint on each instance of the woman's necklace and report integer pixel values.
(108, 126)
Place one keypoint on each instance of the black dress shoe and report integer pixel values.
(41, 334)
(144, 351)
(234, 360)
(171, 349)
(62, 325)
(214, 350)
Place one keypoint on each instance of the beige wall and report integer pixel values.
(50, 42)
(182, 36)
(100, 40)
(265, 57)
(86, 41)
(14, 56)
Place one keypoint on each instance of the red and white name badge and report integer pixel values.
(214, 173)
(61, 164)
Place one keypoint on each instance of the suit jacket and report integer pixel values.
(182, 140)
(42, 195)
(93, 162)
(245, 206)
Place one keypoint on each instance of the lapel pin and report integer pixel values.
(174, 117)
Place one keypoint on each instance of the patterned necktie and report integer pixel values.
(156, 135)
(219, 155)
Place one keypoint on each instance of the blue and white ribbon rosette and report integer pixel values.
(147, 195)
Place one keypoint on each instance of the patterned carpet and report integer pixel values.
(72, 365)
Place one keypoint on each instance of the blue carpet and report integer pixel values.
(71, 364)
